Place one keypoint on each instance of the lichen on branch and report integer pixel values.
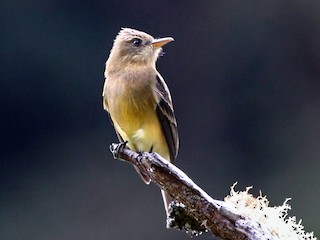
(240, 216)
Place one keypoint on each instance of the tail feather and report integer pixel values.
(144, 177)
(167, 199)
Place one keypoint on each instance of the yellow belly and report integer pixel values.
(143, 133)
(137, 122)
(131, 102)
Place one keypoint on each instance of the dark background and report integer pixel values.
(245, 80)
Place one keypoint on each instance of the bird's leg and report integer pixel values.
(151, 149)
(122, 145)
(140, 153)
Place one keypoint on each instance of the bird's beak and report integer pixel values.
(161, 41)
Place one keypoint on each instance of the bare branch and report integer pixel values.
(193, 208)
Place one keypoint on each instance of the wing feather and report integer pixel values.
(166, 117)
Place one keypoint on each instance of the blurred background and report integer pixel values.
(245, 81)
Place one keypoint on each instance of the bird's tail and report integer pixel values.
(167, 199)
(144, 177)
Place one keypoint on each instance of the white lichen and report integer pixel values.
(275, 219)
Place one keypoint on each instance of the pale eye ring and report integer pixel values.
(136, 42)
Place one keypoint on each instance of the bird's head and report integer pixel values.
(136, 47)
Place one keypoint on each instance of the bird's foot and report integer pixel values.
(117, 148)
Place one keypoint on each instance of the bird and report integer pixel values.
(138, 99)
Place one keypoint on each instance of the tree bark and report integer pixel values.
(200, 211)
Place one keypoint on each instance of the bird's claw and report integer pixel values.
(117, 148)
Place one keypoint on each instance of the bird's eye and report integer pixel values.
(136, 42)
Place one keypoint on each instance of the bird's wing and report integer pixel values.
(166, 117)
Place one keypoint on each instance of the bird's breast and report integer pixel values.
(131, 100)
